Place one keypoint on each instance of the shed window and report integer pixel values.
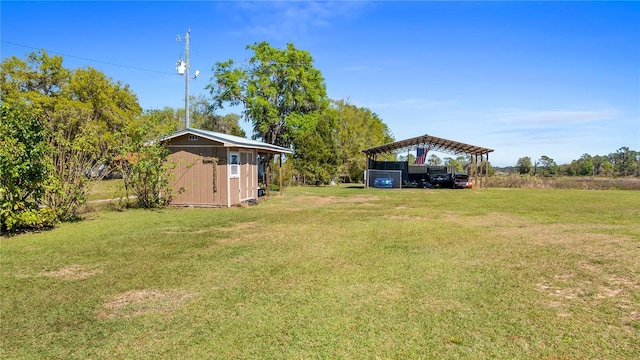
(234, 161)
(193, 137)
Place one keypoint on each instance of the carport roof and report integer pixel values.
(432, 143)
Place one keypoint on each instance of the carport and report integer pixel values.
(479, 156)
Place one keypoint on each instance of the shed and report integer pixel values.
(213, 169)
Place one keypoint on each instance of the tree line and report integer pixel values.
(623, 162)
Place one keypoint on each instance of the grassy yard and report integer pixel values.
(335, 273)
(106, 189)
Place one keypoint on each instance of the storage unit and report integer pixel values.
(215, 169)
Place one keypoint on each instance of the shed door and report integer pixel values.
(247, 177)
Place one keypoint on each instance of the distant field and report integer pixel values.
(335, 272)
(566, 182)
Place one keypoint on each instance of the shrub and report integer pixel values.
(24, 171)
(147, 176)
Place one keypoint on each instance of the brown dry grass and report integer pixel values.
(303, 202)
(143, 302)
(72, 272)
(565, 182)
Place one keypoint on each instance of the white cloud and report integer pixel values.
(553, 117)
(413, 103)
(284, 20)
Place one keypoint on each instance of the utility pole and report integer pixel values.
(187, 124)
(183, 69)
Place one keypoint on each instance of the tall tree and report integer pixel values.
(548, 165)
(581, 167)
(434, 160)
(203, 117)
(524, 165)
(155, 123)
(357, 129)
(275, 85)
(625, 161)
(315, 144)
(602, 166)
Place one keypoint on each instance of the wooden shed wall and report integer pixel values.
(197, 182)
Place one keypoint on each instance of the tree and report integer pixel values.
(602, 166)
(203, 117)
(277, 89)
(434, 160)
(456, 164)
(549, 167)
(275, 85)
(357, 129)
(314, 157)
(524, 165)
(152, 124)
(24, 170)
(625, 161)
(409, 158)
(581, 167)
(85, 113)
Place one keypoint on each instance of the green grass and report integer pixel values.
(335, 272)
(106, 189)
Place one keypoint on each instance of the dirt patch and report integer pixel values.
(406, 217)
(240, 233)
(307, 201)
(561, 293)
(497, 221)
(173, 230)
(252, 225)
(72, 272)
(141, 302)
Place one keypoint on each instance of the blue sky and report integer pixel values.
(523, 78)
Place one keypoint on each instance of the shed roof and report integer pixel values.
(229, 140)
(431, 142)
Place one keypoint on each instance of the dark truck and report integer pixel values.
(439, 176)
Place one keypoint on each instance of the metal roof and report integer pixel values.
(228, 140)
(430, 142)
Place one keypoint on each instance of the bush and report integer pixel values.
(147, 176)
(274, 187)
(24, 171)
(27, 219)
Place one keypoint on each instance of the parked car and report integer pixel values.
(384, 180)
(420, 183)
(440, 178)
(462, 181)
